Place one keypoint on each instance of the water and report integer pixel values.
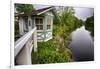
(82, 46)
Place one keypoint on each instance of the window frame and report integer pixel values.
(39, 23)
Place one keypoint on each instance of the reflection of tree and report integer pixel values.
(89, 24)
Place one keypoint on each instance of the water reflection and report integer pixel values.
(82, 45)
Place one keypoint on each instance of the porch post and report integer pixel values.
(21, 26)
(52, 24)
(45, 26)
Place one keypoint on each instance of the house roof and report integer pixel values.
(40, 11)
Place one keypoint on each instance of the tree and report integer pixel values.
(26, 8)
(77, 22)
(69, 19)
(89, 24)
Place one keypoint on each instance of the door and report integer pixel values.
(29, 24)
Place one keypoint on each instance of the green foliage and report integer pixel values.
(17, 28)
(78, 23)
(89, 24)
(26, 8)
(48, 53)
(67, 16)
(69, 20)
(16, 33)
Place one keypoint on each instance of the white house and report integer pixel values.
(42, 19)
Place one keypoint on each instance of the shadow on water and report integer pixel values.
(82, 45)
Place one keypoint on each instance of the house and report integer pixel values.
(42, 19)
(33, 27)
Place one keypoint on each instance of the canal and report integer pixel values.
(82, 45)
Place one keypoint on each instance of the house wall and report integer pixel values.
(33, 22)
(49, 16)
(40, 33)
(23, 25)
(45, 34)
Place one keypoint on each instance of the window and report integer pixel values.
(49, 23)
(39, 23)
(48, 26)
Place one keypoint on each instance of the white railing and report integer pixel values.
(27, 39)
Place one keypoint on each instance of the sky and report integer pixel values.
(83, 13)
(80, 12)
(36, 6)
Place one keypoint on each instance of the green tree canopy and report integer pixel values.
(26, 8)
(78, 23)
(69, 19)
(89, 24)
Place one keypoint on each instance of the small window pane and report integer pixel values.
(37, 27)
(37, 21)
(41, 27)
(48, 26)
(41, 21)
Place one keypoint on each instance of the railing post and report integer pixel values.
(35, 41)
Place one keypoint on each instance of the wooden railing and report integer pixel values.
(23, 47)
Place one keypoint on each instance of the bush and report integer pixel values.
(48, 53)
